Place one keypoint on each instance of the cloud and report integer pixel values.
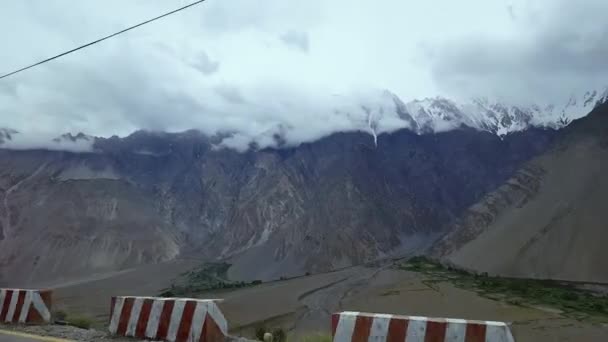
(237, 67)
(205, 65)
(551, 50)
(45, 141)
(298, 40)
(511, 12)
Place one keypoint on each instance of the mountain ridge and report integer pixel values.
(547, 221)
(153, 197)
(379, 113)
(340, 200)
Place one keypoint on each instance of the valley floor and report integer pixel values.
(302, 306)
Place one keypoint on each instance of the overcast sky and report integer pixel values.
(254, 65)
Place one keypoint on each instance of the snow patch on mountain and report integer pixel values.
(432, 115)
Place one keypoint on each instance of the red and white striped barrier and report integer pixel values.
(168, 319)
(363, 327)
(25, 306)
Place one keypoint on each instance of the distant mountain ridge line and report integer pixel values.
(384, 112)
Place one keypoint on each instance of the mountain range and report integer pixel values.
(380, 112)
(314, 206)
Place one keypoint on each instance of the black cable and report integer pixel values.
(102, 39)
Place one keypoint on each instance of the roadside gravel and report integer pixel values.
(67, 332)
(81, 335)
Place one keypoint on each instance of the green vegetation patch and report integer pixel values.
(571, 301)
(279, 335)
(79, 321)
(317, 338)
(75, 320)
(207, 277)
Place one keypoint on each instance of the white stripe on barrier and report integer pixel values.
(120, 301)
(40, 306)
(25, 309)
(217, 316)
(137, 304)
(416, 329)
(200, 313)
(498, 332)
(157, 309)
(12, 307)
(379, 328)
(176, 318)
(346, 326)
(456, 330)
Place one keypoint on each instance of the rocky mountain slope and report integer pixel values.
(152, 197)
(349, 197)
(549, 220)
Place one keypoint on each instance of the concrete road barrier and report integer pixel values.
(358, 326)
(25, 306)
(168, 319)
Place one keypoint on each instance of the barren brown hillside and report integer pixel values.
(550, 219)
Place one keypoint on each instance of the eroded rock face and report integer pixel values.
(548, 220)
(153, 197)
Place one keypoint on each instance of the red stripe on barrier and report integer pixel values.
(397, 329)
(6, 304)
(144, 316)
(363, 325)
(475, 333)
(19, 307)
(165, 320)
(33, 316)
(335, 318)
(211, 331)
(125, 315)
(435, 331)
(186, 323)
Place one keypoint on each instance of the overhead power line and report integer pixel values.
(102, 39)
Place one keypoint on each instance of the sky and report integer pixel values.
(255, 68)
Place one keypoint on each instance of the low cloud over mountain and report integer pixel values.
(286, 74)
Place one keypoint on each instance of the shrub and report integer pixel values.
(514, 301)
(278, 335)
(569, 296)
(60, 315)
(316, 338)
(518, 287)
(259, 333)
(167, 294)
(597, 307)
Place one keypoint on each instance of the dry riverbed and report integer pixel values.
(302, 306)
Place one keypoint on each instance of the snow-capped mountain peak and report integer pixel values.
(385, 112)
(438, 114)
